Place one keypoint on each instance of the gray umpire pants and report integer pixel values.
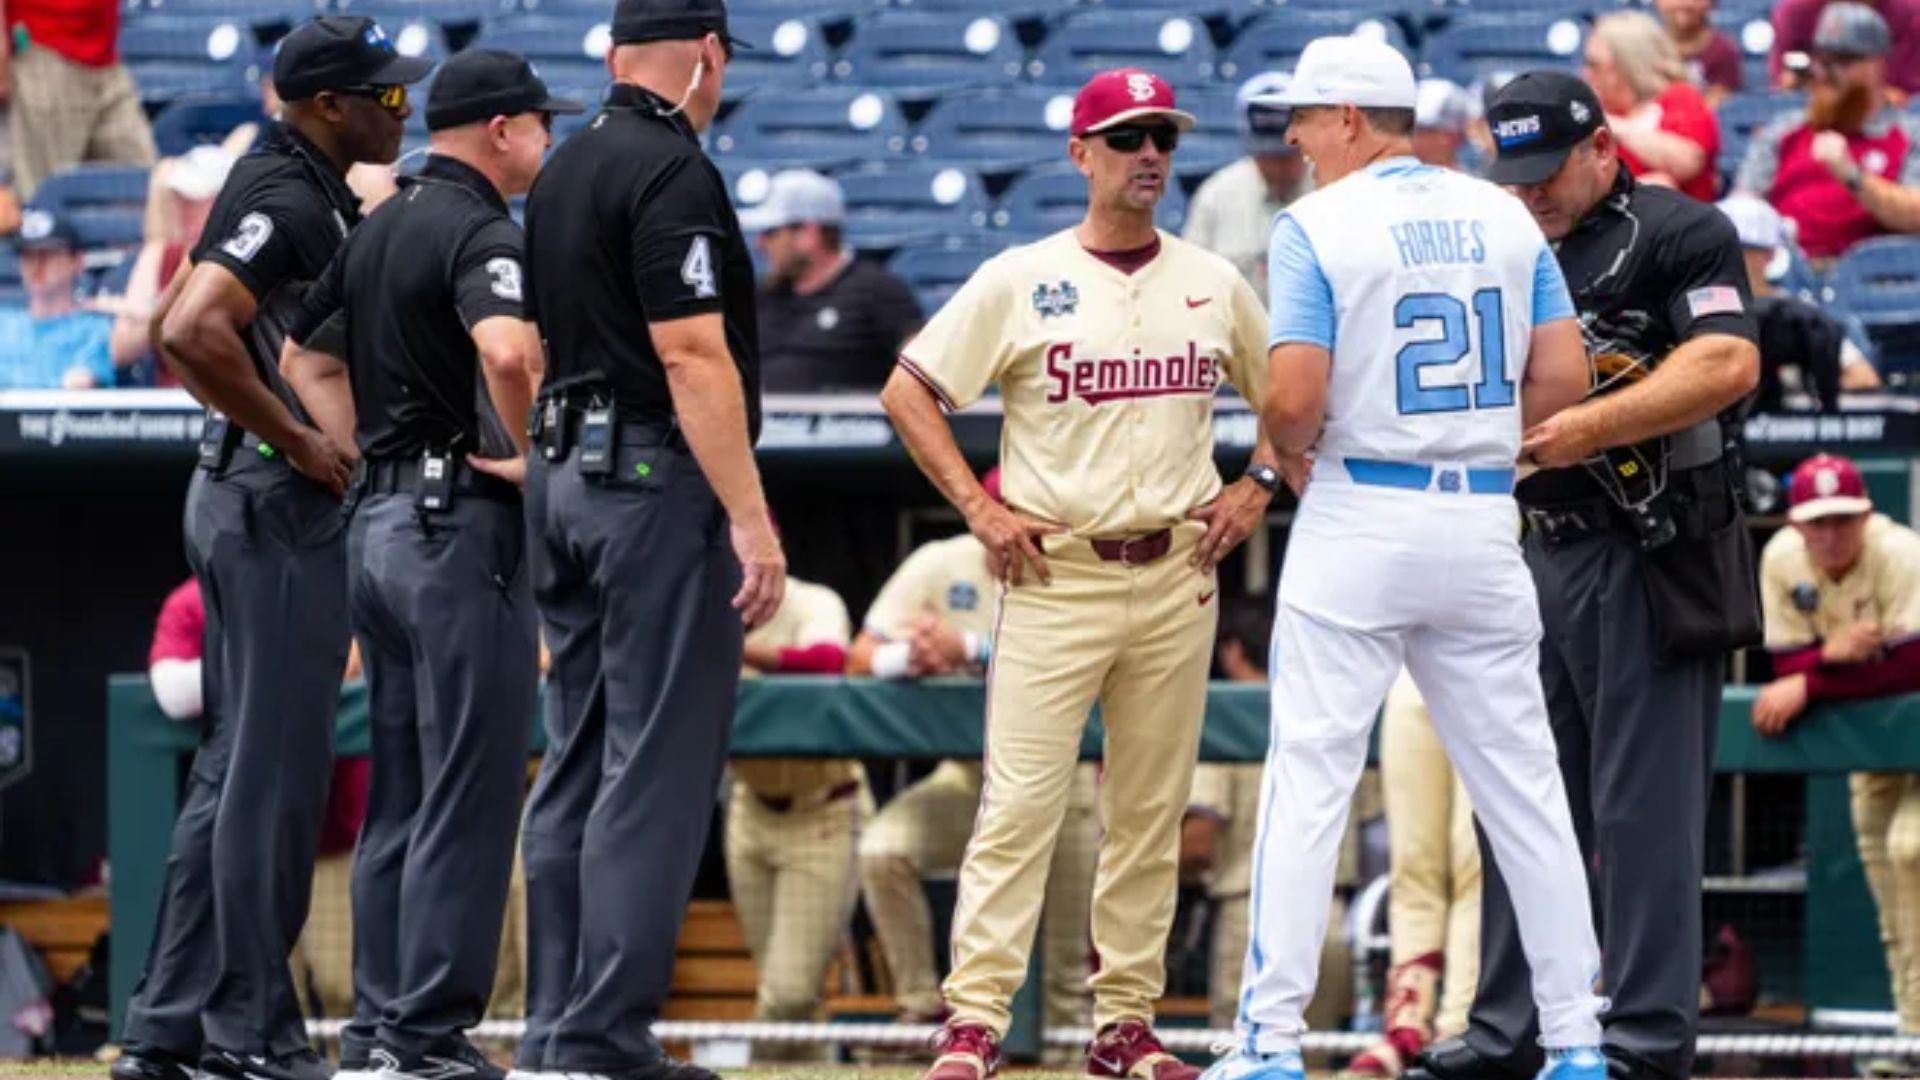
(1636, 735)
(635, 578)
(443, 608)
(269, 549)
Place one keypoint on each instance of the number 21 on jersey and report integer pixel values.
(1457, 337)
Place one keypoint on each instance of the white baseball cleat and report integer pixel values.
(1240, 1064)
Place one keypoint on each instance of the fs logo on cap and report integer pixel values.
(1581, 114)
(1517, 131)
(1140, 86)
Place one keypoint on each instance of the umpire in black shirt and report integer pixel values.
(437, 381)
(652, 545)
(1645, 573)
(266, 538)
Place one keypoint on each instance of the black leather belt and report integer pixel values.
(781, 804)
(401, 476)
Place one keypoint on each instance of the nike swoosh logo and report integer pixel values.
(1203, 302)
(1206, 596)
(1112, 1065)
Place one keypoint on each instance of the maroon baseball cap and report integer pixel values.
(1112, 98)
(1825, 485)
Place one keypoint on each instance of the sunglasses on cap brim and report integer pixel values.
(1130, 139)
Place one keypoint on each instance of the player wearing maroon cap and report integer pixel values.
(1108, 342)
(1841, 593)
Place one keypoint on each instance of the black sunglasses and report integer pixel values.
(391, 98)
(1128, 140)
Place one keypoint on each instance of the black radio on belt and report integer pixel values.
(596, 445)
(219, 438)
(547, 428)
(435, 490)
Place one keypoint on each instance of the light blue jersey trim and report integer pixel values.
(1299, 296)
(1551, 301)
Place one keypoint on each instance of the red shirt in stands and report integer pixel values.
(1827, 218)
(1684, 112)
(86, 32)
(1794, 22)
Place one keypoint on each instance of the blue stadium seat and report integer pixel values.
(820, 128)
(1878, 283)
(569, 50)
(1472, 46)
(890, 205)
(190, 122)
(1555, 9)
(936, 269)
(1049, 199)
(256, 11)
(1216, 138)
(920, 53)
(1743, 114)
(999, 129)
(1177, 48)
(107, 204)
(787, 50)
(394, 14)
(1274, 42)
(173, 56)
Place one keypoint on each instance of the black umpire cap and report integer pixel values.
(636, 21)
(480, 84)
(340, 52)
(1537, 119)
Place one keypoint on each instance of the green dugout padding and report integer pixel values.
(809, 717)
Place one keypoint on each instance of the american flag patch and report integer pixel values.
(1714, 300)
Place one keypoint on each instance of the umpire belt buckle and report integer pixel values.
(1135, 550)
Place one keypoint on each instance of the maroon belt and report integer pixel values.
(780, 804)
(1135, 550)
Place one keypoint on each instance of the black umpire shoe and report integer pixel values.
(217, 1064)
(1453, 1059)
(452, 1058)
(150, 1063)
(1627, 1065)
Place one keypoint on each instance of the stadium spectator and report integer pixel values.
(1216, 844)
(1841, 593)
(792, 826)
(1848, 168)
(935, 616)
(1795, 336)
(53, 342)
(1711, 57)
(1433, 899)
(178, 202)
(1231, 212)
(1796, 30)
(828, 321)
(1441, 117)
(70, 98)
(1666, 133)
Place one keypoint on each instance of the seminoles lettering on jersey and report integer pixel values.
(1107, 378)
(1097, 380)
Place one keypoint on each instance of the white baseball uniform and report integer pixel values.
(1425, 285)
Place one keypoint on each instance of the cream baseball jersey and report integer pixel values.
(947, 579)
(1804, 606)
(808, 614)
(1107, 378)
(1436, 281)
